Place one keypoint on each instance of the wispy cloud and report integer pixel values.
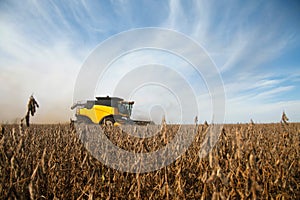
(244, 40)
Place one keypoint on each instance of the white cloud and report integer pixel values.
(242, 45)
(273, 92)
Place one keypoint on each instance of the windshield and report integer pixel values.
(125, 108)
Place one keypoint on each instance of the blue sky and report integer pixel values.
(255, 46)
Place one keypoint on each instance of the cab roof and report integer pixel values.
(108, 101)
(109, 98)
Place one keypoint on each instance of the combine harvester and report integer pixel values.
(109, 111)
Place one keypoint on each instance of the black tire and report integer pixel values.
(108, 121)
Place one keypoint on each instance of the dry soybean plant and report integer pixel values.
(250, 161)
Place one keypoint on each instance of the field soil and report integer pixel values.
(249, 161)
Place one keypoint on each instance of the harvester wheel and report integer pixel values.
(109, 122)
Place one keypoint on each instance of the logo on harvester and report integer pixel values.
(137, 95)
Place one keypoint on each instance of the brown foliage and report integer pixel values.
(249, 161)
